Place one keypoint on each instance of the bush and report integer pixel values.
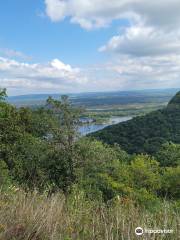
(169, 155)
(170, 183)
(145, 173)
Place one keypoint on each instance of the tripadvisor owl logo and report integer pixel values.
(139, 231)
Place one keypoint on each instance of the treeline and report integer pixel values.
(40, 149)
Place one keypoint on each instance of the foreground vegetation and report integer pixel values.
(59, 186)
(37, 217)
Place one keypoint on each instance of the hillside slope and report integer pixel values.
(146, 133)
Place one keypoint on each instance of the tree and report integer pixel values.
(65, 134)
(169, 155)
(170, 182)
(3, 94)
(30, 156)
(102, 170)
(145, 173)
(38, 145)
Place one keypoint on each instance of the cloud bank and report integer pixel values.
(119, 74)
(55, 76)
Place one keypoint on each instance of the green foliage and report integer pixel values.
(145, 173)
(146, 199)
(38, 145)
(169, 155)
(3, 94)
(63, 139)
(175, 101)
(4, 175)
(28, 156)
(109, 172)
(59, 167)
(147, 133)
(39, 122)
(93, 159)
(171, 182)
(40, 149)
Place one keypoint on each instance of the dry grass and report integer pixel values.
(36, 217)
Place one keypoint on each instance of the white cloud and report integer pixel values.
(126, 73)
(144, 41)
(54, 75)
(56, 9)
(120, 74)
(57, 64)
(98, 13)
(147, 50)
(88, 14)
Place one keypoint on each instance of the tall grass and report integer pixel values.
(34, 216)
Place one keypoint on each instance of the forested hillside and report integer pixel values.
(145, 134)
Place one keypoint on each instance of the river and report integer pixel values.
(93, 127)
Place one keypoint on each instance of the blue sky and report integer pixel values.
(25, 27)
(82, 45)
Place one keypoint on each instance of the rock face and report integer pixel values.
(147, 133)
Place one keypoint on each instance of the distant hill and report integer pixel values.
(95, 99)
(145, 134)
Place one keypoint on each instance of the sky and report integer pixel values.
(65, 46)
